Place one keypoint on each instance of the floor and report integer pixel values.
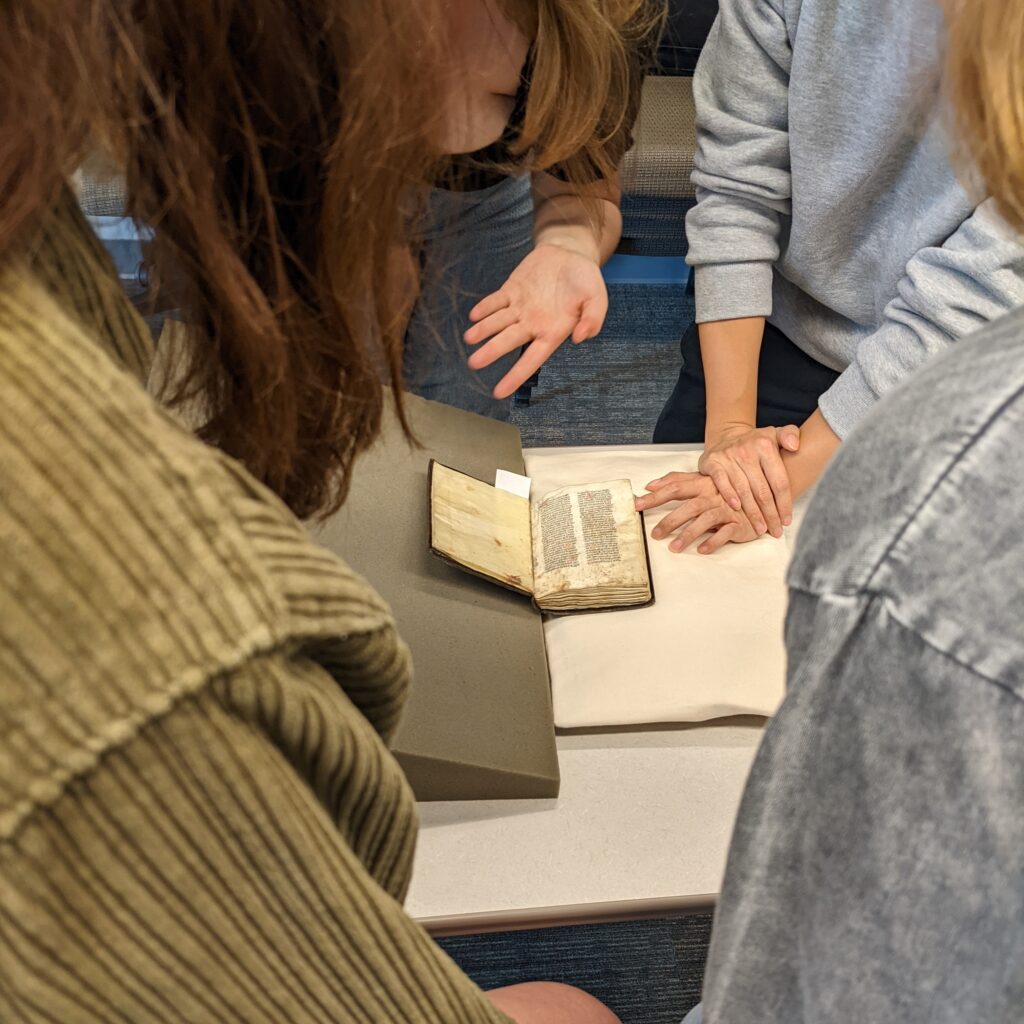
(609, 390)
(648, 972)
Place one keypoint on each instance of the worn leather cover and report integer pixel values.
(478, 724)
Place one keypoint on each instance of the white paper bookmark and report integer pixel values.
(513, 483)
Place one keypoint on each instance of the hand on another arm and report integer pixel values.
(557, 292)
(701, 510)
(744, 462)
(747, 467)
(760, 471)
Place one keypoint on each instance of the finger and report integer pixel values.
(491, 326)
(687, 511)
(501, 344)
(489, 304)
(663, 481)
(720, 478)
(697, 528)
(677, 487)
(718, 539)
(688, 484)
(659, 495)
(762, 492)
(654, 500)
(788, 437)
(526, 366)
(583, 331)
(778, 479)
(592, 317)
(748, 503)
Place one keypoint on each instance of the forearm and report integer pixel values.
(590, 227)
(730, 350)
(818, 443)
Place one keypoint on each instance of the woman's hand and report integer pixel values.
(748, 471)
(554, 294)
(702, 510)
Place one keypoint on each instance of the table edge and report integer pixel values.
(558, 916)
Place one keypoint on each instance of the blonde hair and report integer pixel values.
(985, 79)
(585, 79)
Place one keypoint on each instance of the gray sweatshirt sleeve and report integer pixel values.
(948, 292)
(741, 168)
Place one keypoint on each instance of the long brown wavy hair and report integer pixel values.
(277, 148)
(985, 76)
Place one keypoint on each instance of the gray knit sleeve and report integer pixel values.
(948, 292)
(741, 168)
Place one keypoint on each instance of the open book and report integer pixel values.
(579, 548)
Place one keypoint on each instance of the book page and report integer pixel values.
(482, 528)
(588, 537)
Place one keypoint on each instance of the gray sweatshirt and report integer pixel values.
(827, 198)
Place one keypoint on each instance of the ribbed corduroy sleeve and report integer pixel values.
(239, 859)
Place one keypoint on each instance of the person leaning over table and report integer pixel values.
(834, 250)
(876, 871)
(199, 816)
(511, 259)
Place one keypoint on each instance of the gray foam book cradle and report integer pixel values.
(478, 724)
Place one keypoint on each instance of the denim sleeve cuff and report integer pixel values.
(727, 291)
(847, 401)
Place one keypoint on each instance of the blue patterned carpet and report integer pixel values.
(648, 972)
(610, 390)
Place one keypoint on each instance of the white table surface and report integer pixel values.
(641, 828)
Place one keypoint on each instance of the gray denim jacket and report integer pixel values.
(877, 868)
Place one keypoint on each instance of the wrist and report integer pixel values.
(580, 241)
(818, 443)
(717, 430)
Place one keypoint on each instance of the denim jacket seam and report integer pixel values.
(954, 461)
(866, 583)
(889, 602)
(891, 608)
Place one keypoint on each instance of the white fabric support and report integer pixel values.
(710, 646)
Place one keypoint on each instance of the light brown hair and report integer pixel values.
(585, 78)
(276, 151)
(985, 79)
